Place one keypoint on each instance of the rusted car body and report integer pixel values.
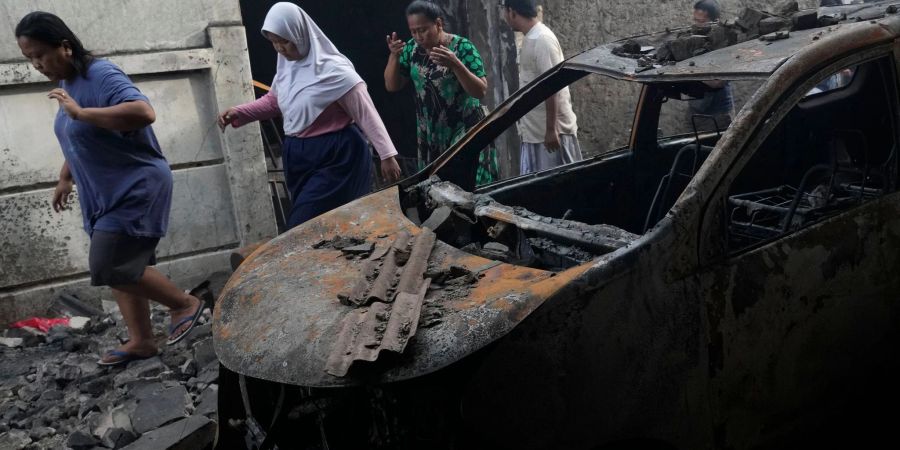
(713, 290)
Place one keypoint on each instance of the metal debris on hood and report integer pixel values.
(339, 243)
(601, 238)
(395, 298)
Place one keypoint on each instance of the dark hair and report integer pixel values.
(711, 7)
(50, 29)
(525, 8)
(428, 9)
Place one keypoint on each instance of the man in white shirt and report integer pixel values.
(549, 131)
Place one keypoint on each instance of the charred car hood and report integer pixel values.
(279, 317)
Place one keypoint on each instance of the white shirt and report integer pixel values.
(539, 53)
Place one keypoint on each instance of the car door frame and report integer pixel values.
(719, 267)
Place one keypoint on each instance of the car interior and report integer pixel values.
(836, 148)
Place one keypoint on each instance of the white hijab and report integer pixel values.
(305, 88)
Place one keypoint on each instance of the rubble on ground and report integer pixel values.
(53, 395)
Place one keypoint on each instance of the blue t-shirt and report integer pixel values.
(124, 181)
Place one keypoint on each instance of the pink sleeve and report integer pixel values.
(265, 107)
(359, 107)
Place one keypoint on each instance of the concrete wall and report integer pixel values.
(190, 59)
(605, 108)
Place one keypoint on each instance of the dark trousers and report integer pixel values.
(324, 172)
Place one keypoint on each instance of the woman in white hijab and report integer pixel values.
(324, 103)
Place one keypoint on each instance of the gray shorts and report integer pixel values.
(117, 259)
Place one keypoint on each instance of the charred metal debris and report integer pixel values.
(702, 38)
(403, 285)
(479, 225)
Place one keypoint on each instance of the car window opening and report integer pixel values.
(570, 215)
(834, 150)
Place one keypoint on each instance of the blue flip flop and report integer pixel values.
(123, 358)
(203, 294)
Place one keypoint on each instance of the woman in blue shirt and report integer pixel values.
(124, 182)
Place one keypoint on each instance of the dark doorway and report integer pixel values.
(358, 29)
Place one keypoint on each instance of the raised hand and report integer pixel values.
(67, 103)
(390, 170)
(394, 45)
(226, 118)
(442, 56)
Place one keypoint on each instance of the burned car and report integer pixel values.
(727, 287)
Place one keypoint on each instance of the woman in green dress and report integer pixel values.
(449, 80)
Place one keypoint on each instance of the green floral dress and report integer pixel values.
(444, 111)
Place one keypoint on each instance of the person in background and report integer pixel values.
(549, 132)
(448, 78)
(124, 182)
(718, 103)
(324, 103)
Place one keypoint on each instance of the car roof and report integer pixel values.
(752, 59)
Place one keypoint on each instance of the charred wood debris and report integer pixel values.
(53, 395)
(702, 38)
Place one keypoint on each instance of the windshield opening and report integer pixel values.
(575, 211)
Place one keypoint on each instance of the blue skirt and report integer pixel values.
(325, 172)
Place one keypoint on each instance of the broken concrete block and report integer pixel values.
(787, 8)
(749, 19)
(630, 47)
(804, 20)
(79, 323)
(67, 374)
(14, 439)
(777, 36)
(136, 370)
(50, 396)
(116, 438)
(40, 433)
(109, 306)
(75, 344)
(186, 434)
(30, 337)
(58, 334)
(773, 24)
(207, 402)
(88, 406)
(664, 53)
(116, 418)
(204, 352)
(12, 342)
(157, 408)
(828, 20)
(79, 440)
(209, 374)
(718, 37)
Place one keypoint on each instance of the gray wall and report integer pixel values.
(190, 59)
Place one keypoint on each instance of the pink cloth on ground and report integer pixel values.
(355, 106)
